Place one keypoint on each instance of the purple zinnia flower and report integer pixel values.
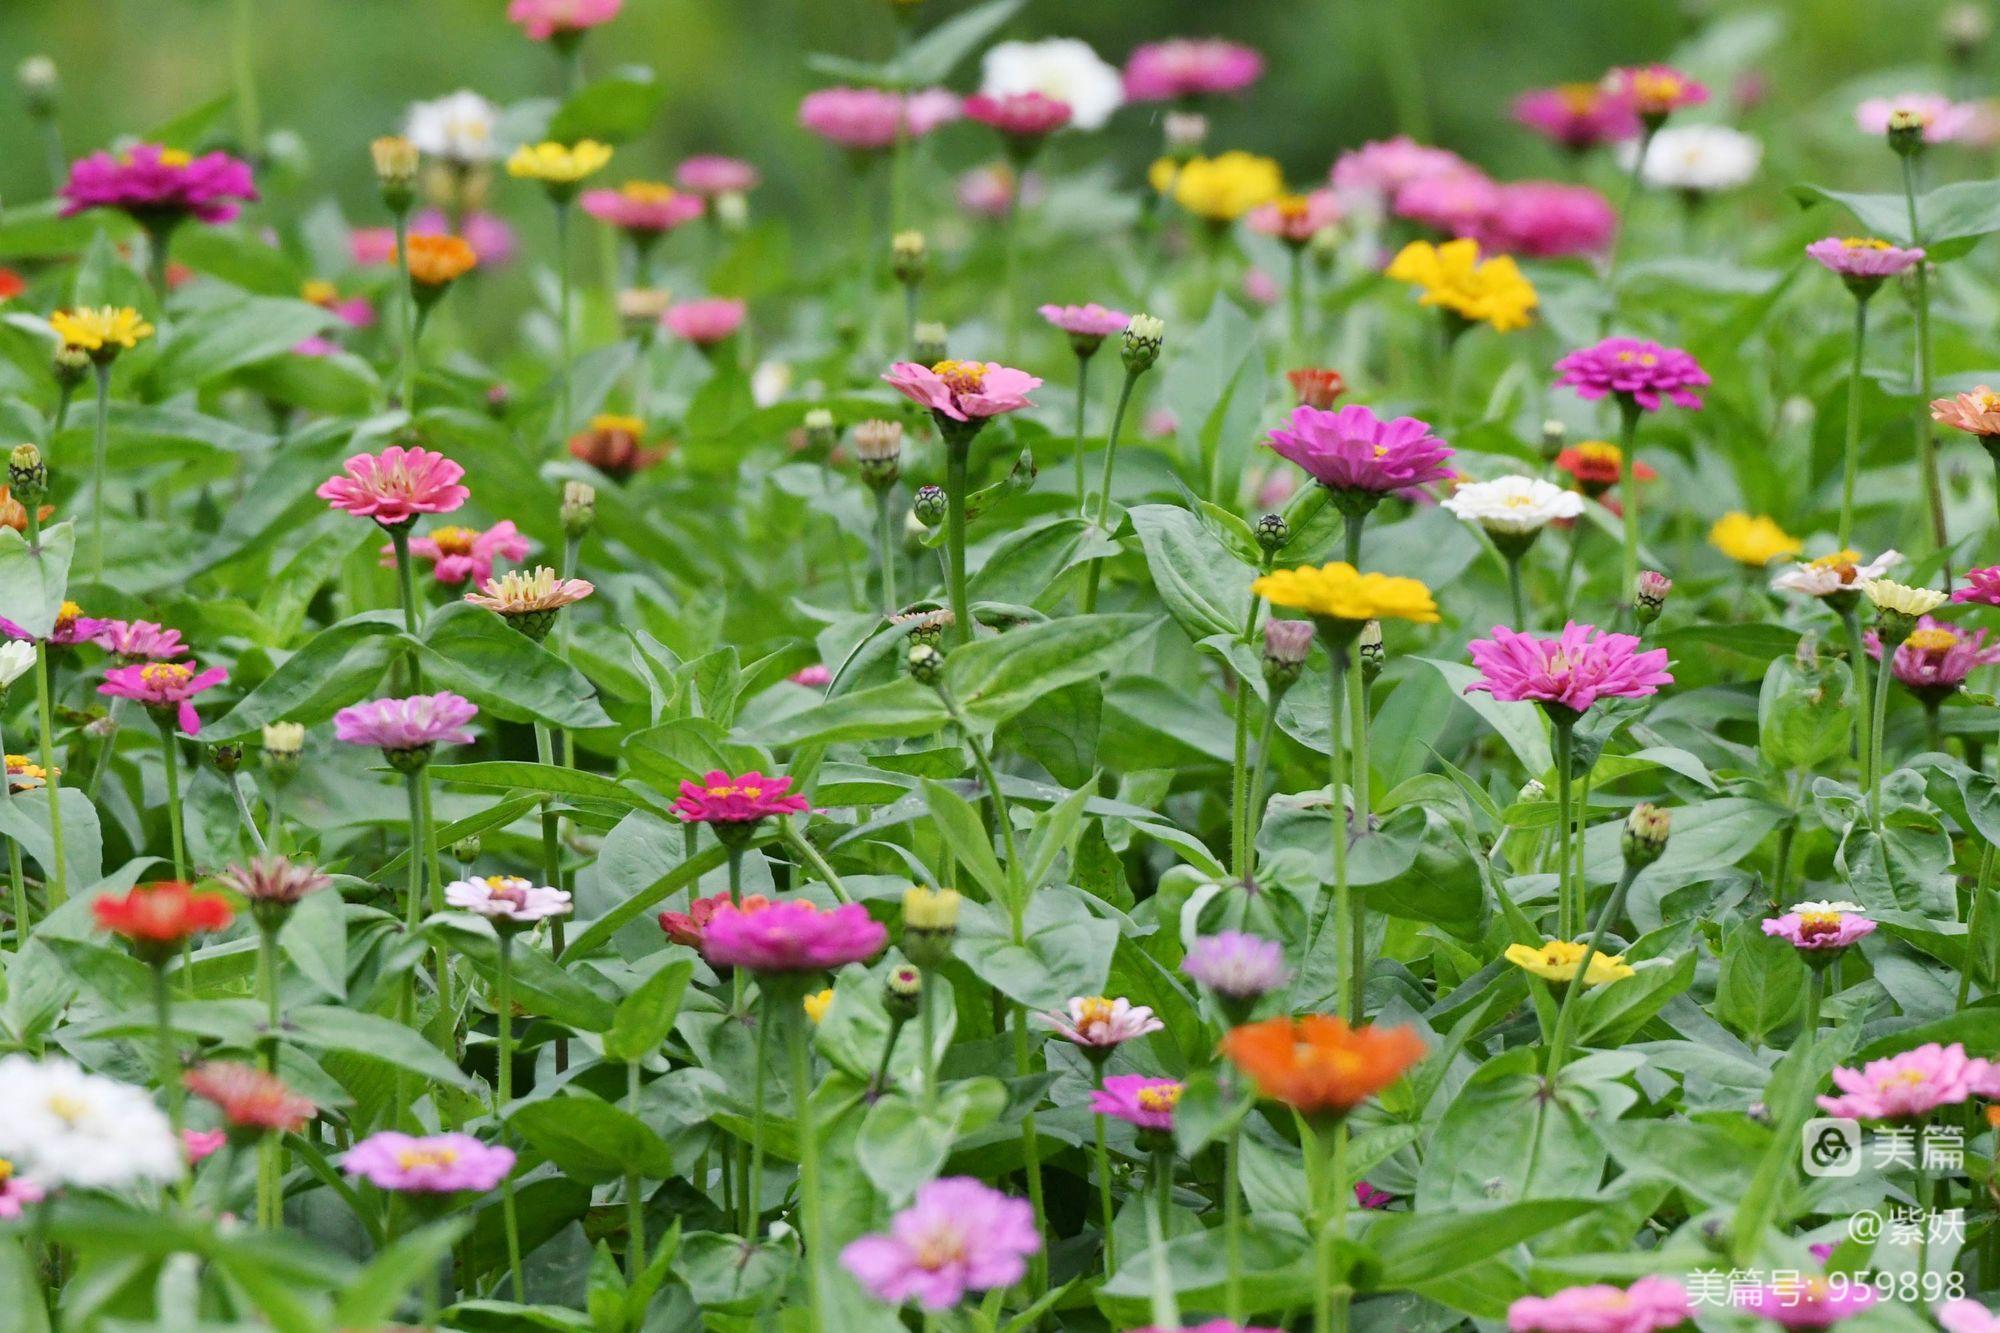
(1981, 586)
(159, 186)
(433, 1164)
(415, 723)
(164, 687)
(1233, 963)
(1636, 370)
(958, 1236)
(1354, 450)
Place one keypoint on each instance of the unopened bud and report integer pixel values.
(930, 505)
(498, 400)
(40, 84)
(1373, 654)
(926, 663)
(1533, 791)
(1286, 644)
(226, 756)
(640, 308)
(71, 364)
(27, 475)
(1143, 337)
(1649, 595)
(926, 626)
(928, 342)
(466, 850)
(821, 432)
(1965, 29)
(283, 743)
(1645, 837)
(731, 210)
(579, 508)
(1553, 435)
(395, 161)
(1906, 131)
(930, 924)
(903, 993)
(879, 446)
(1185, 132)
(909, 257)
(1273, 533)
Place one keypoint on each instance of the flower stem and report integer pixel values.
(1357, 699)
(1295, 305)
(100, 448)
(1104, 483)
(635, 1197)
(1618, 236)
(1926, 436)
(1857, 652)
(166, 1055)
(1166, 1312)
(1082, 380)
(1104, 1200)
(1239, 786)
(1330, 1196)
(1878, 722)
(885, 547)
(927, 1019)
(958, 452)
(1343, 916)
(1628, 495)
(242, 63)
(243, 812)
(1567, 922)
(1232, 1223)
(1565, 1016)
(1514, 591)
(753, 1177)
(1031, 1153)
(57, 875)
(503, 1097)
(270, 1170)
(1815, 997)
(1852, 464)
(407, 312)
(1259, 776)
(808, 1136)
(15, 879)
(564, 301)
(170, 751)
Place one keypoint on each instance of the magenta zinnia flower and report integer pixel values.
(791, 936)
(461, 555)
(546, 19)
(1572, 671)
(1546, 219)
(163, 685)
(1936, 659)
(1456, 202)
(705, 323)
(1189, 67)
(138, 640)
(1819, 927)
(1020, 116)
(711, 174)
(159, 186)
(1352, 450)
(415, 723)
(958, 1236)
(1636, 370)
(721, 799)
(1233, 963)
(72, 627)
(16, 1192)
(1649, 1304)
(1138, 1100)
(964, 390)
(1368, 1196)
(1806, 1302)
(1982, 586)
(1907, 1086)
(866, 119)
(1577, 116)
(433, 1164)
(396, 485)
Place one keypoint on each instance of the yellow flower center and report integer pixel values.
(1863, 243)
(940, 1249)
(754, 793)
(626, 425)
(1600, 451)
(721, 791)
(1843, 560)
(1656, 86)
(646, 192)
(1578, 98)
(1160, 1098)
(1820, 920)
(454, 540)
(6, 1170)
(1643, 358)
(320, 292)
(1932, 640)
(412, 1158)
(1293, 207)
(67, 614)
(1985, 400)
(165, 674)
(1094, 1012)
(70, 1110)
(961, 376)
(1903, 1078)
(1336, 1060)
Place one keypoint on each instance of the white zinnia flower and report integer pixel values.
(507, 898)
(1840, 572)
(1064, 68)
(458, 128)
(1513, 505)
(1697, 159)
(63, 1127)
(17, 659)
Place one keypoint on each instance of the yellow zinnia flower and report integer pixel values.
(1901, 598)
(1223, 189)
(100, 331)
(1453, 277)
(1341, 592)
(817, 1004)
(1557, 960)
(1754, 541)
(558, 164)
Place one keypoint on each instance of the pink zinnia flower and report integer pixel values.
(201, 1144)
(1368, 1196)
(1943, 119)
(1907, 1086)
(415, 723)
(1233, 963)
(1019, 116)
(72, 627)
(459, 555)
(1260, 288)
(159, 186)
(1375, 172)
(1547, 219)
(1956, 1316)
(1138, 1100)
(1297, 218)
(492, 240)
(721, 799)
(1655, 91)
(369, 246)
(691, 927)
(1982, 586)
(964, 390)
(1212, 1326)
(958, 1236)
(990, 191)
(1807, 1302)
(163, 686)
(1457, 202)
(1351, 449)
(1098, 1023)
(1975, 413)
(16, 1192)
(546, 19)
(1649, 1304)
(507, 898)
(249, 1098)
(711, 174)
(1863, 257)
(1572, 671)
(1820, 927)
(928, 109)
(707, 322)
(1087, 325)
(867, 119)
(791, 936)
(138, 640)
(1636, 370)
(1189, 67)
(396, 485)
(1936, 659)
(653, 210)
(815, 677)
(1577, 116)
(433, 1164)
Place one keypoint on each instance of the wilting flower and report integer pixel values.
(1636, 371)
(1934, 661)
(711, 174)
(1296, 218)
(1454, 278)
(1577, 116)
(1975, 413)
(1233, 963)
(1654, 91)
(1558, 960)
(615, 446)
(1546, 220)
(963, 391)
(691, 927)
(507, 898)
(958, 1235)
(1222, 189)
(1907, 1086)
(1820, 927)
(1087, 325)
(1319, 1065)
(643, 209)
(1805, 1301)
(396, 485)
(1942, 119)
(544, 20)
(1338, 591)
(559, 165)
(1648, 1305)
(418, 722)
(249, 1098)
(458, 128)
(163, 686)
(1353, 451)
(16, 1192)
(66, 1128)
(159, 186)
(157, 918)
(1138, 1100)
(1513, 506)
(1316, 387)
(791, 936)
(139, 640)
(1572, 671)
(1098, 1023)
(720, 799)
(14, 514)
(1754, 540)
(464, 555)
(273, 879)
(102, 331)
(1376, 172)
(707, 322)
(1697, 159)
(1828, 575)
(432, 1164)
(1189, 67)
(1982, 586)
(1063, 68)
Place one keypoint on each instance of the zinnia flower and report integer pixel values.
(1981, 587)
(1222, 189)
(1513, 506)
(1900, 598)
(1233, 963)
(559, 165)
(14, 514)
(1316, 387)
(1635, 370)
(249, 1098)
(1696, 159)
(1558, 960)
(396, 485)
(71, 628)
(792, 936)
(1023, 117)
(416, 723)
(157, 918)
(16, 1191)
(710, 174)
(507, 898)
(273, 879)
(1820, 927)
(1975, 413)
(198, 1145)
(719, 799)
(162, 686)
(1598, 465)
(158, 186)
(1942, 119)
(1796, 1301)
(964, 391)
(544, 20)
(102, 331)
(1907, 1086)
(1577, 116)
(691, 927)
(1296, 218)
(1570, 672)
(1098, 1023)
(1360, 456)
(871, 119)
(138, 640)
(958, 1235)
(1863, 262)
(643, 209)
(1338, 591)
(1185, 67)
(458, 128)
(66, 1128)
(1648, 1305)
(1453, 278)
(1456, 203)
(615, 446)
(705, 323)
(1138, 1100)
(1087, 325)
(436, 261)
(1376, 172)
(24, 774)
(1319, 1065)
(432, 1164)
(1934, 661)
(1752, 540)
(461, 555)
(1654, 91)
(530, 600)
(1546, 220)
(1829, 575)
(1063, 68)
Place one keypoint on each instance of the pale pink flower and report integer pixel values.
(1907, 1086)
(139, 640)
(414, 723)
(1019, 116)
(369, 246)
(433, 1164)
(964, 390)
(16, 1192)
(464, 555)
(1975, 413)
(1189, 67)
(1818, 927)
(1943, 119)
(1937, 657)
(1087, 325)
(249, 1098)
(815, 677)
(1375, 172)
(200, 1144)
(546, 19)
(507, 898)
(1648, 1305)
(1546, 219)
(707, 322)
(958, 1235)
(1296, 218)
(1955, 1316)
(1260, 288)
(1806, 1302)
(870, 119)
(1863, 257)
(643, 208)
(1097, 1022)
(711, 174)
(990, 191)
(396, 485)
(1454, 202)
(1138, 1100)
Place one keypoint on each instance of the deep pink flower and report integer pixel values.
(1807, 1302)
(815, 677)
(721, 799)
(1943, 119)
(1375, 172)
(1368, 1196)
(1573, 670)
(138, 640)
(433, 1164)
(16, 1192)
(1817, 928)
(1456, 202)
(1907, 1086)
(1296, 218)
(1653, 91)
(871, 118)
(159, 186)
(957, 1236)
(1649, 1304)
(791, 936)
(707, 322)
(72, 627)
(1352, 449)
(1019, 115)
(163, 685)
(1577, 115)
(1982, 586)
(1634, 368)
(1138, 1100)
(544, 19)
(964, 390)
(1212, 1326)
(202, 1144)
(1087, 325)
(459, 555)
(1547, 219)
(1936, 659)
(492, 240)
(712, 174)
(396, 485)
(414, 723)
(1189, 67)
(640, 207)
(1863, 257)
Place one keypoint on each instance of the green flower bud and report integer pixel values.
(1143, 337)
(1645, 837)
(926, 663)
(930, 505)
(27, 475)
(1273, 533)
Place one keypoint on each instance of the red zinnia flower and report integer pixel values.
(249, 1098)
(157, 918)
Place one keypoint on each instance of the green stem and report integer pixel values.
(885, 546)
(171, 752)
(1239, 786)
(1878, 723)
(1104, 483)
(1082, 380)
(166, 1055)
(57, 878)
(1031, 1152)
(270, 1168)
(1514, 591)
(1974, 918)
(1852, 456)
(15, 879)
(406, 311)
(1010, 277)
(1232, 1223)
(1105, 1204)
(242, 61)
(1857, 653)
(1815, 997)
(635, 1198)
(503, 1097)
(1295, 305)
(753, 1179)
(1166, 1312)
(1330, 1296)
(927, 1018)
(564, 300)
(1628, 494)
(1343, 925)
(958, 452)
(1567, 923)
(808, 1136)
(1259, 776)
(1926, 437)
(243, 812)
(100, 448)
(799, 843)
(1565, 1016)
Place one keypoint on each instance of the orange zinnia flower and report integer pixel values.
(1319, 1065)
(437, 260)
(14, 514)
(158, 917)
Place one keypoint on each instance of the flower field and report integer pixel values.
(1061, 740)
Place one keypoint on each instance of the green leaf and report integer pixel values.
(993, 679)
(223, 337)
(965, 836)
(592, 1140)
(1204, 586)
(1954, 212)
(330, 1028)
(1760, 984)
(509, 675)
(932, 57)
(1521, 725)
(34, 579)
(613, 110)
(540, 984)
(1418, 1247)
(896, 709)
(646, 1016)
(550, 779)
(337, 666)
(371, 1299)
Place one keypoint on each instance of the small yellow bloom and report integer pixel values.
(101, 332)
(1161, 174)
(558, 164)
(1224, 188)
(1889, 595)
(1753, 541)
(1453, 277)
(817, 1005)
(930, 909)
(1340, 592)
(1557, 960)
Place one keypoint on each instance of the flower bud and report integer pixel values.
(1965, 28)
(40, 85)
(1649, 595)
(928, 342)
(926, 626)
(1185, 132)
(1553, 435)
(226, 756)
(640, 308)
(466, 850)
(1906, 131)
(930, 505)
(284, 740)
(1143, 337)
(730, 210)
(579, 508)
(1286, 644)
(1373, 654)
(27, 476)
(926, 663)
(903, 993)
(498, 400)
(1273, 533)
(909, 258)
(395, 171)
(879, 446)
(1645, 837)
(930, 924)
(71, 364)
(1532, 792)
(821, 432)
